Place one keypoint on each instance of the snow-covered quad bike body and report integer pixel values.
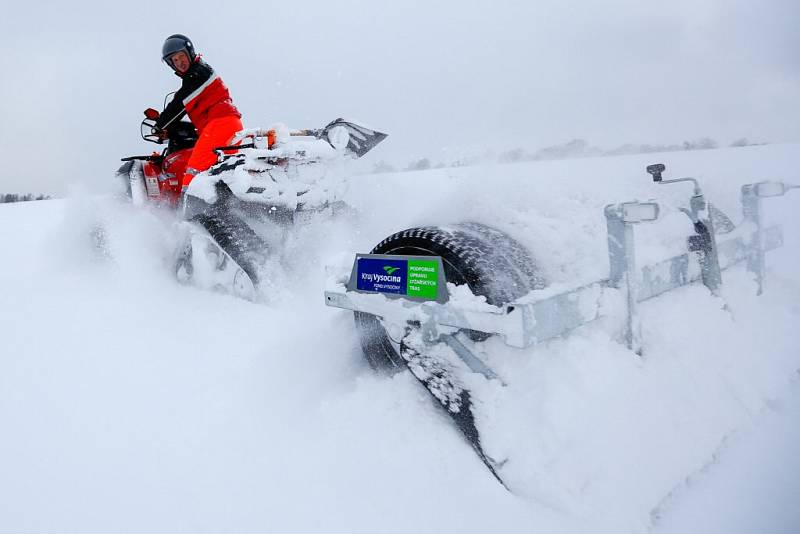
(267, 177)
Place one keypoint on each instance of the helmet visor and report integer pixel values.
(178, 61)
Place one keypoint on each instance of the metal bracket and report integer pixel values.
(622, 262)
(537, 319)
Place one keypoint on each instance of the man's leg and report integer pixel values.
(218, 132)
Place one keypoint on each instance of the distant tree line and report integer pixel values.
(576, 148)
(8, 198)
(579, 148)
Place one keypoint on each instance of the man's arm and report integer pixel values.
(173, 112)
(200, 74)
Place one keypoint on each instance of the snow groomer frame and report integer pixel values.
(420, 326)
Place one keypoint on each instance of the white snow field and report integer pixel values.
(130, 403)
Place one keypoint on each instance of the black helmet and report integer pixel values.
(176, 43)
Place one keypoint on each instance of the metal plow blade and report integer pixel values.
(439, 369)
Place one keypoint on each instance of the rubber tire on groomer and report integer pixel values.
(487, 260)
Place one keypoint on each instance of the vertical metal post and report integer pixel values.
(623, 274)
(709, 260)
(704, 242)
(751, 208)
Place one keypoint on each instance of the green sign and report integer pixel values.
(416, 277)
(423, 278)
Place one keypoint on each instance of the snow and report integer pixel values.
(130, 403)
(753, 485)
(278, 184)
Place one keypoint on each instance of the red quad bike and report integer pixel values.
(268, 177)
(155, 178)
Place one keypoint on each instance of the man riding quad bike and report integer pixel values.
(231, 183)
(205, 99)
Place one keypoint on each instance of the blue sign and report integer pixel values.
(383, 276)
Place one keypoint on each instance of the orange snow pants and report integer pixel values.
(218, 132)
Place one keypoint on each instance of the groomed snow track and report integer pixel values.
(131, 403)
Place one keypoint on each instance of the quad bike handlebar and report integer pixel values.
(151, 157)
(341, 134)
(156, 135)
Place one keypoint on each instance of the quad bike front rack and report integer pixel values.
(428, 323)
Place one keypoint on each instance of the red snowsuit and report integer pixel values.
(205, 98)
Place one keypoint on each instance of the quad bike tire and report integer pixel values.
(236, 238)
(227, 227)
(488, 261)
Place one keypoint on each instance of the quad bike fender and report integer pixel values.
(131, 174)
(204, 185)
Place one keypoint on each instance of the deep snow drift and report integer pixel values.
(130, 403)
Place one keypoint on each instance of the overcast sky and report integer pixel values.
(436, 76)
